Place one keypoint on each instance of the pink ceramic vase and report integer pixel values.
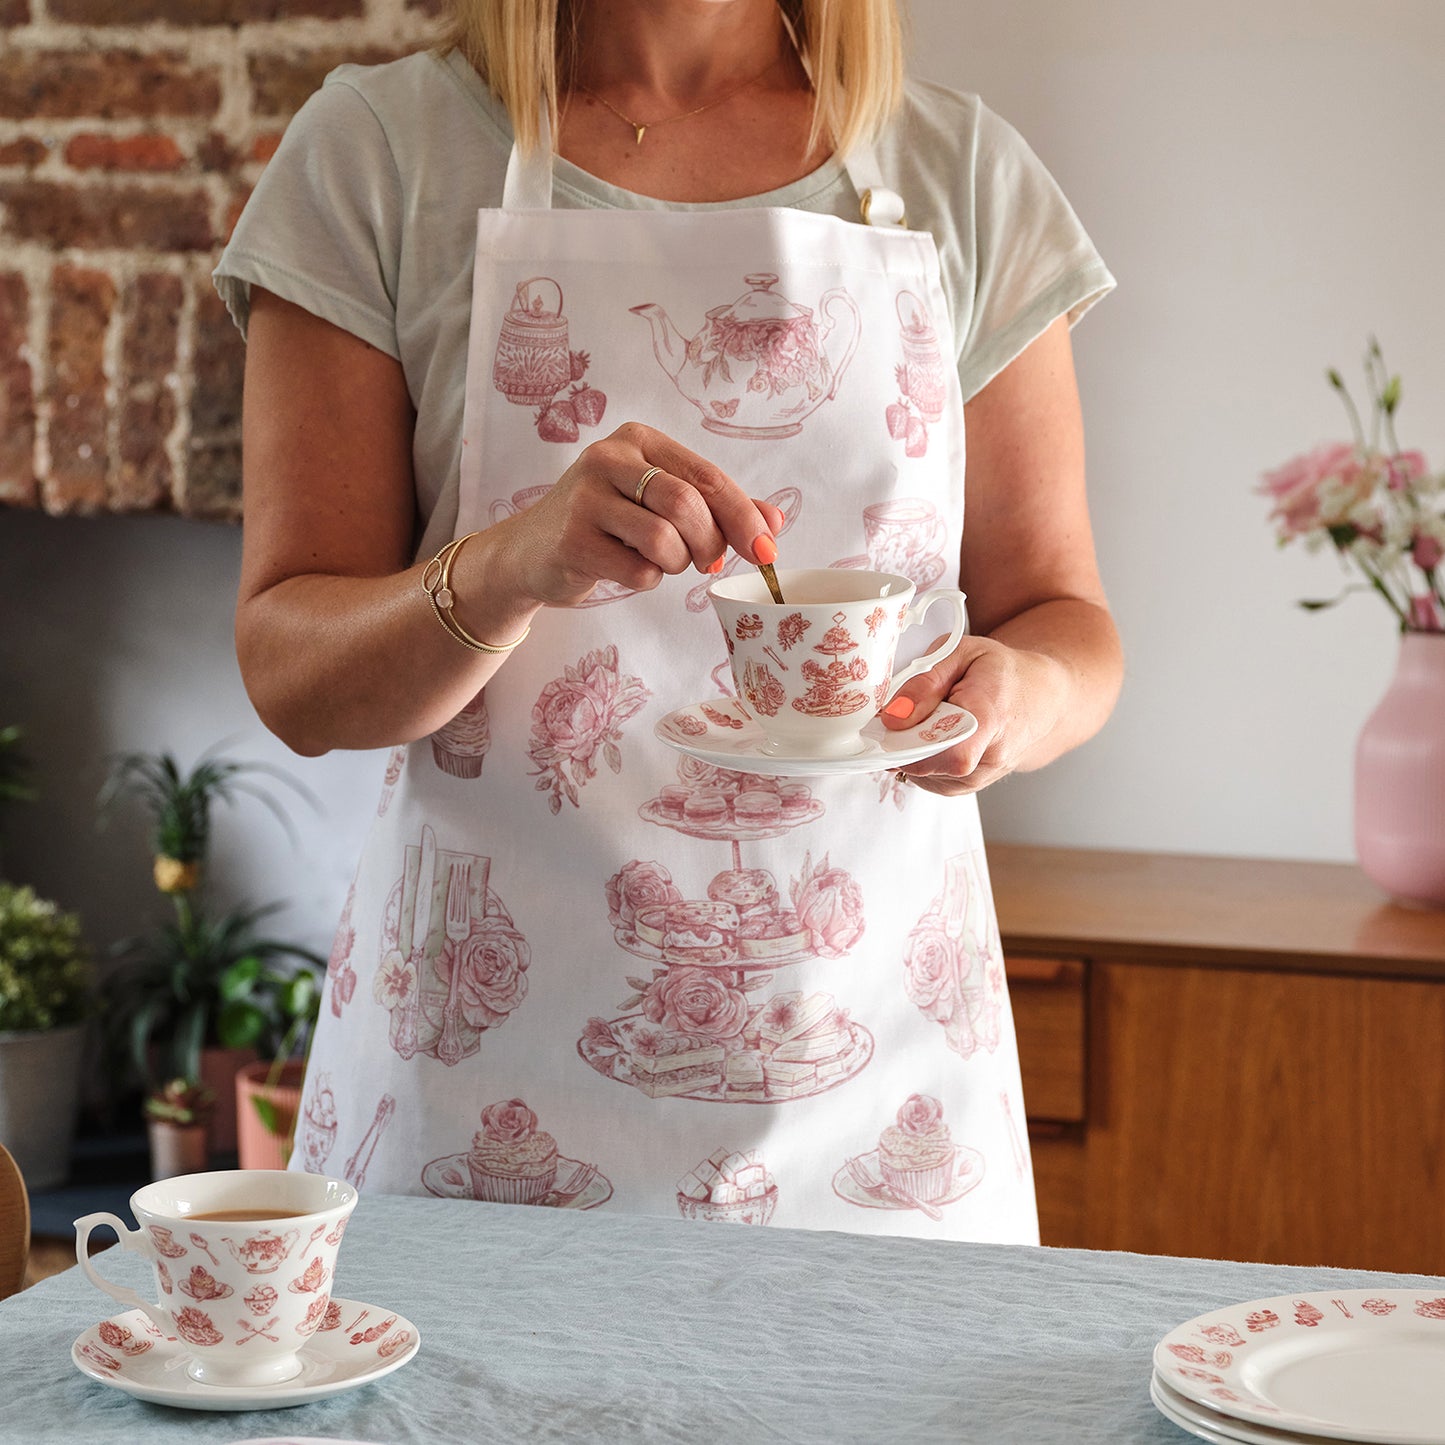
(1400, 778)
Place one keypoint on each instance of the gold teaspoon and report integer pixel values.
(771, 578)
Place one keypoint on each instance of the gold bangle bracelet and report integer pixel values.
(436, 582)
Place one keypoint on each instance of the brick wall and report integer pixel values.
(131, 133)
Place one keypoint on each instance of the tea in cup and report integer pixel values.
(244, 1264)
(814, 670)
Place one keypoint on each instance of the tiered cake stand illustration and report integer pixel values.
(792, 1045)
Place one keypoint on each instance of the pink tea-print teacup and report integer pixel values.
(815, 670)
(222, 1244)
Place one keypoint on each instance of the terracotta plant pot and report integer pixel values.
(218, 1072)
(1400, 778)
(256, 1145)
(176, 1148)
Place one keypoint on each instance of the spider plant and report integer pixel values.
(180, 806)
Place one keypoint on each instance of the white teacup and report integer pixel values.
(816, 669)
(243, 1294)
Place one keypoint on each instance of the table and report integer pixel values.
(549, 1325)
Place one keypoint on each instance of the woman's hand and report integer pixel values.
(592, 527)
(1016, 695)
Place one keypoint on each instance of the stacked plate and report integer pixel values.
(1364, 1365)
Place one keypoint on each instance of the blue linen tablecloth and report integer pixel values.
(549, 1325)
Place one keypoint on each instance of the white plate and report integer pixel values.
(722, 733)
(151, 1366)
(1218, 1429)
(1364, 1365)
(1211, 1425)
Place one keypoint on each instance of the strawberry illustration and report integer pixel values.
(917, 442)
(579, 362)
(557, 422)
(898, 420)
(588, 403)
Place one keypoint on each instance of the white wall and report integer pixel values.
(1265, 180)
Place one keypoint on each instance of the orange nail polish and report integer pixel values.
(900, 707)
(716, 567)
(764, 548)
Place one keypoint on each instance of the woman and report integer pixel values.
(577, 968)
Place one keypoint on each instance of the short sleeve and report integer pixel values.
(1033, 260)
(323, 227)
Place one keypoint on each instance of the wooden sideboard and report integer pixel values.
(1229, 1058)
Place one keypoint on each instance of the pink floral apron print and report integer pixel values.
(316, 1136)
(915, 1165)
(395, 762)
(340, 975)
(696, 1026)
(728, 1187)
(922, 380)
(906, 536)
(578, 716)
(356, 1166)
(453, 964)
(534, 363)
(514, 1161)
(460, 747)
(758, 368)
(953, 964)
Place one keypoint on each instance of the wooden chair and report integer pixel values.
(14, 1225)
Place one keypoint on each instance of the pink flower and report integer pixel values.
(598, 1033)
(577, 716)
(1426, 551)
(696, 1001)
(695, 774)
(509, 1122)
(1405, 469)
(1424, 615)
(932, 961)
(492, 966)
(1295, 487)
(829, 905)
(920, 1114)
(636, 886)
(395, 980)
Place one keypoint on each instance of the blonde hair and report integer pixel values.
(853, 50)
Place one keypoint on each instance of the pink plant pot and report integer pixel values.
(1400, 778)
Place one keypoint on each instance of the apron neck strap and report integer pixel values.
(528, 184)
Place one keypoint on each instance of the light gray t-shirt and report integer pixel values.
(366, 216)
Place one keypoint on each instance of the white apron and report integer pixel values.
(578, 969)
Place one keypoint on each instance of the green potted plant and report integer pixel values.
(170, 991)
(46, 993)
(274, 1012)
(177, 1117)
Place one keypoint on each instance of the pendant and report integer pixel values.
(641, 131)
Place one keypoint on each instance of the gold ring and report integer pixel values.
(647, 476)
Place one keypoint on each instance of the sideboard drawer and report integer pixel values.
(1049, 1013)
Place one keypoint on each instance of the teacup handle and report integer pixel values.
(132, 1239)
(951, 597)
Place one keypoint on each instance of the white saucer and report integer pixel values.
(737, 741)
(152, 1366)
(967, 1175)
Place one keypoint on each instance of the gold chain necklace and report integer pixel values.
(640, 128)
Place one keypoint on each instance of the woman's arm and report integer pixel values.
(338, 644)
(1042, 668)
